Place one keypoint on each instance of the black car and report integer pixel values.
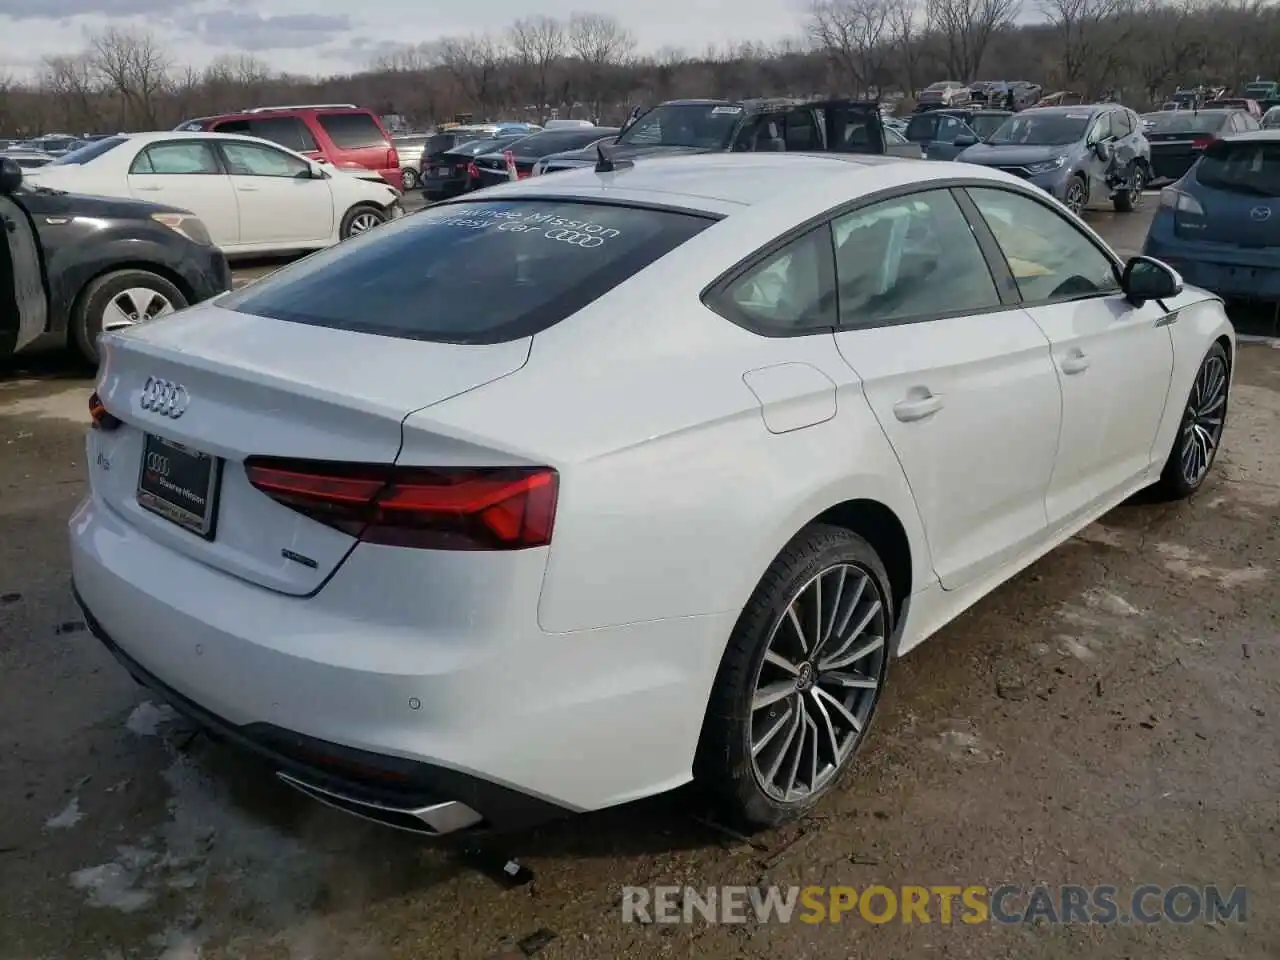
(491, 167)
(1179, 137)
(452, 173)
(721, 126)
(74, 265)
(1005, 94)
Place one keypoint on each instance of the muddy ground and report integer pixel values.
(1108, 717)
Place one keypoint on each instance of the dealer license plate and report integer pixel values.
(179, 484)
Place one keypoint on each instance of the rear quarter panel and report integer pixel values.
(674, 495)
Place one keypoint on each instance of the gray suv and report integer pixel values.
(1081, 155)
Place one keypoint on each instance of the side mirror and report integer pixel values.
(965, 140)
(10, 175)
(317, 171)
(1146, 278)
(1102, 150)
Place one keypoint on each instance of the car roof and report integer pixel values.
(1091, 107)
(723, 183)
(152, 135)
(1211, 111)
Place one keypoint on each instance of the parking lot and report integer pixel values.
(1108, 717)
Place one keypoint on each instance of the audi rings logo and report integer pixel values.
(164, 397)
(158, 464)
(576, 238)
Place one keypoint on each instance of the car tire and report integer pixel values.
(408, 178)
(1130, 198)
(361, 218)
(1199, 436)
(1076, 194)
(747, 753)
(107, 300)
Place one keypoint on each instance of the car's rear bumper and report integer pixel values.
(351, 693)
(1228, 271)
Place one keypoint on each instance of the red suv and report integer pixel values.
(342, 134)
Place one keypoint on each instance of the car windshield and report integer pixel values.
(1183, 121)
(1041, 130)
(707, 126)
(1271, 118)
(92, 151)
(1251, 167)
(471, 272)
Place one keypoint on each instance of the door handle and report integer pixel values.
(151, 189)
(1076, 362)
(247, 189)
(917, 409)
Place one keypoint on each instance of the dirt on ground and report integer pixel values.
(1108, 717)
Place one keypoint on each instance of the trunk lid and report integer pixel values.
(254, 385)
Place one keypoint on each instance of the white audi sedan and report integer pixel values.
(638, 476)
(253, 197)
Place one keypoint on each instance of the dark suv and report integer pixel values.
(72, 266)
(715, 126)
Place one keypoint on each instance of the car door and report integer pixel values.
(279, 199)
(1126, 146)
(1097, 168)
(1114, 361)
(187, 174)
(25, 312)
(959, 377)
(852, 126)
(944, 146)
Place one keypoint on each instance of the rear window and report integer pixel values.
(558, 141)
(86, 153)
(478, 272)
(440, 143)
(351, 131)
(1183, 121)
(1242, 167)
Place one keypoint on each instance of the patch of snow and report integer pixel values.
(1073, 647)
(147, 718)
(68, 818)
(1112, 603)
(115, 885)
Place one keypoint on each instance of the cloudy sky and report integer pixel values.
(326, 36)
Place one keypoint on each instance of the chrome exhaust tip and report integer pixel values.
(435, 820)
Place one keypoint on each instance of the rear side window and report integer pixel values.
(351, 131)
(289, 132)
(482, 272)
(1242, 167)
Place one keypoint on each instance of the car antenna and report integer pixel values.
(606, 162)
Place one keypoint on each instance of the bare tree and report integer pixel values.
(853, 33)
(965, 28)
(538, 44)
(473, 63)
(601, 45)
(904, 38)
(133, 65)
(73, 84)
(1090, 35)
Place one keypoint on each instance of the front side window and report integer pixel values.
(480, 272)
(910, 257)
(255, 160)
(1048, 255)
(788, 292)
(1101, 129)
(180, 157)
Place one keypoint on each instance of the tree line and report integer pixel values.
(587, 65)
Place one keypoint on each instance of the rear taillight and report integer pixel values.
(1180, 202)
(473, 172)
(1201, 143)
(393, 158)
(469, 508)
(102, 420)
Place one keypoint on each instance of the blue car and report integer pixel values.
(1219, 226)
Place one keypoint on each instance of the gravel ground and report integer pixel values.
(1108, 717)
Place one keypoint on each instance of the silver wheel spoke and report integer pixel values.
(771, 694)
(809, 707)
(769, 734)
(113, 317)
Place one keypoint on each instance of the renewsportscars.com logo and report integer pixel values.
(941, 904)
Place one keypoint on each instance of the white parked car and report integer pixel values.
(254, 197)
(635, 477)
